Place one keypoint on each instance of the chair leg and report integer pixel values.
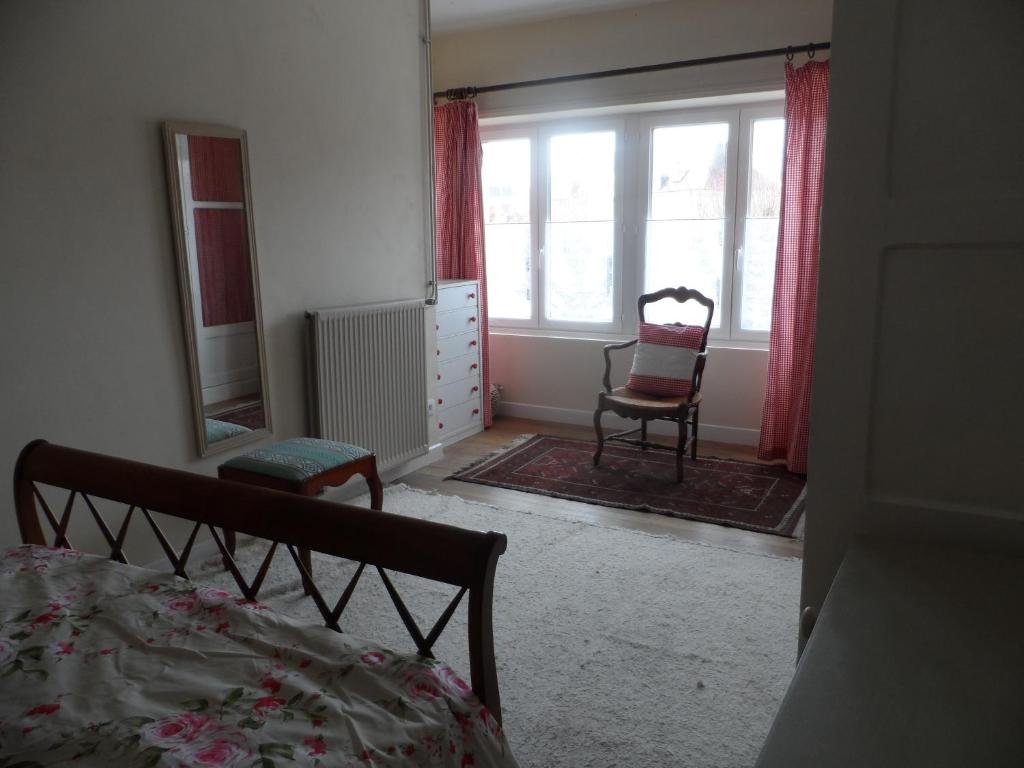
(643, 434)
(680, 449)
(600, 435)
(693, 443)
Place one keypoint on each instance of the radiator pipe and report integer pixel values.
(431, 214)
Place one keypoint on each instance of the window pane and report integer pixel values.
(582, 176)
(686, 224)
(688, 167)
(580, 272)
(506, 193)
(580, 241)
(508, 270)
(761, 225)
(684, 253)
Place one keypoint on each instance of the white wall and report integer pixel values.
(552, 376)
(557, 379)
(91, 350)
(917, 416)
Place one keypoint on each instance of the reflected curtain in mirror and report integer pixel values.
(212, 212)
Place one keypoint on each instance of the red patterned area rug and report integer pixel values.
(757, 497)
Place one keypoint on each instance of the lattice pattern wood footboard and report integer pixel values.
(462, 558)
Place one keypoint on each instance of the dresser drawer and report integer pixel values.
(459, 392)
(457, 346)
(457, 297)
(458, 368)
(458, 417)
(457, 321)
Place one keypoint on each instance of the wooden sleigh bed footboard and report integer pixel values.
(462, 558)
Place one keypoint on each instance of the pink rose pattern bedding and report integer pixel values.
(107, 664)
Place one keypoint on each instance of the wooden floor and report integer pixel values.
(507, 429)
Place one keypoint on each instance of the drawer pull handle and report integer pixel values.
(472, 343)
(440, 401)
(439, 377)
(476, 411)
(440, 425)
(472, 319)
(475, 389)
(437, 327)
(473, 367)
(439, 351)
(471, 296)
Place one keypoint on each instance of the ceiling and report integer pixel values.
(452, 15)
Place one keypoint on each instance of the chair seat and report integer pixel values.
(633, 399)
(298, 459)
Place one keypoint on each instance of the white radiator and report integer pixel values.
(367, 378)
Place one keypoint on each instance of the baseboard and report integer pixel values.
(207, 547)
(713, 432)
(462, 434)
(434, 454)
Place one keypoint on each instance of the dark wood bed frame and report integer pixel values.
(463, 558)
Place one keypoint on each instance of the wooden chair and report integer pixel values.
(637, 405)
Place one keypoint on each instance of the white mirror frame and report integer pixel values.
(187, 293)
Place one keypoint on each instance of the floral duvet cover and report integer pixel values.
(107, 664)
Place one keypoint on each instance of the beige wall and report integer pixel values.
(330, 94)
(560, 377)
(648, 34)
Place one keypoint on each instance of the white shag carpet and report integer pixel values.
(614, 647)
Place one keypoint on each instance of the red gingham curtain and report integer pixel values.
(458, 201)
(786, 416)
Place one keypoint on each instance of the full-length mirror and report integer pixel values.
(211, 207)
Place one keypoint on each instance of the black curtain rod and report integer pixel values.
(469, 92)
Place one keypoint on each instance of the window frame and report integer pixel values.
(505, 133)
(544, 134)
(680, 118)
(748, 115)
(633, 156)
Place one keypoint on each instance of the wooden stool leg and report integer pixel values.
(307, 560)
(376, 488)
(643, 434)
(229, 545)
(599, 434)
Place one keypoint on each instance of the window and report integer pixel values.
(508, 232)
(579, 264)
(564, 248)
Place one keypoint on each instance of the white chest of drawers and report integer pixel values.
(459, 378)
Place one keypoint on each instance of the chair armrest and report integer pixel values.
(608, 361)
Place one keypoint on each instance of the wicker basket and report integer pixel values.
(496, 390)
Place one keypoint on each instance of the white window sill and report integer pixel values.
(611, 338)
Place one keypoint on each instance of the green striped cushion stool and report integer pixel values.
(303, 465)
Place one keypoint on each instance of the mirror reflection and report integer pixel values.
(219, 286)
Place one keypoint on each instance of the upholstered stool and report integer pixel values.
(303, 465)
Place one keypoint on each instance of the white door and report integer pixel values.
(918, 412)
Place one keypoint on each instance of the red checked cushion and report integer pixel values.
(664, 359)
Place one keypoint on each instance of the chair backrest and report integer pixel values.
(682, 295)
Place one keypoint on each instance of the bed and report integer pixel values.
(102, 662)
